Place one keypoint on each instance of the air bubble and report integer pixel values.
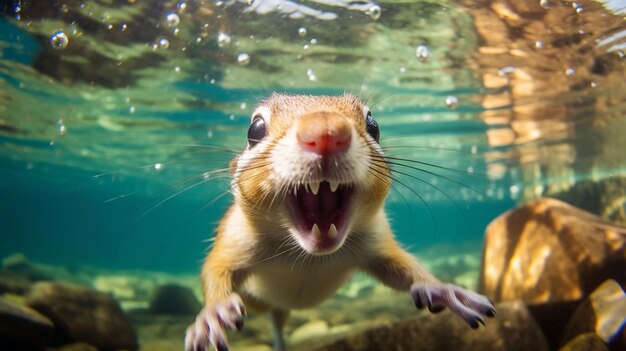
(506, 71)
(223, 39)
(579, 9)
(374, 12)
(61, 129)
(182, 6)
(59, 40)
(172, 19)
(313, 41)
(302, 31)
(311, 75)
(123, 27)
(452, 102)
(243, 59)
(539, 44)
(305, 47)
(132, 109)
(514, 191)
(158, 166)
(546, 4)
(243, 106)
(570, 71)
(163, 43)
(422, 53)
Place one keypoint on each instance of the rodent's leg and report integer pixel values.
(279, 317)
(464, 303)
(223, 308)
(398, 269)
(210, 323)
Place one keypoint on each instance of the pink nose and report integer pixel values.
(324, 133)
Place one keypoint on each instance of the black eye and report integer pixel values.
(256, 131)
(372, 127)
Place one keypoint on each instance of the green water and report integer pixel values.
(102, 141)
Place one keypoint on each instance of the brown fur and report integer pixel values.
(249, 238)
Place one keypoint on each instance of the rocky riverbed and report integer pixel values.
(556, 273)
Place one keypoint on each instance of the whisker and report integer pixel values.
(203, 181)
(212, 202)
(432, 216)
(460, 171)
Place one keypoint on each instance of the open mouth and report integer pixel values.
(320, 213)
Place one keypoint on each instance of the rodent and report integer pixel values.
(308, 211)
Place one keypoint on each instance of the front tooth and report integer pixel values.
(316, 231)
(334, 186)
(315, 187)
(332, 231)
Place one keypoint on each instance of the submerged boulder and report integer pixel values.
(174, 299)
(548, 251)
(83, 315)
(513, 329)
(585, 342)
(22, 328)
(602, 313)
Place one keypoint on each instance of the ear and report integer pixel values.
(232, 166)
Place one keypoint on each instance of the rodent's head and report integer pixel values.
(313, 165)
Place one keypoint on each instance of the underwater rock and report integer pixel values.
(311, 329)
(14, 283)
(19, 263)
(359, 286)
(23, 328)
(79, 346)
(513, 329)
(174, 299)
(549, 251)
(585, 342)
(16, 261)
(83, 315)
(603, 313)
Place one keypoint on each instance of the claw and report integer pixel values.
(468, 305)
(209, 328)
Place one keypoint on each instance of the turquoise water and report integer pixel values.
(101, 140)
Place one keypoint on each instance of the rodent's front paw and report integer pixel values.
(210, 324)
(464, 303)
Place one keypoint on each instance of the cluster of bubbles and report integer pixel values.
(223, 39)
(61, 129)
(311, 75)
